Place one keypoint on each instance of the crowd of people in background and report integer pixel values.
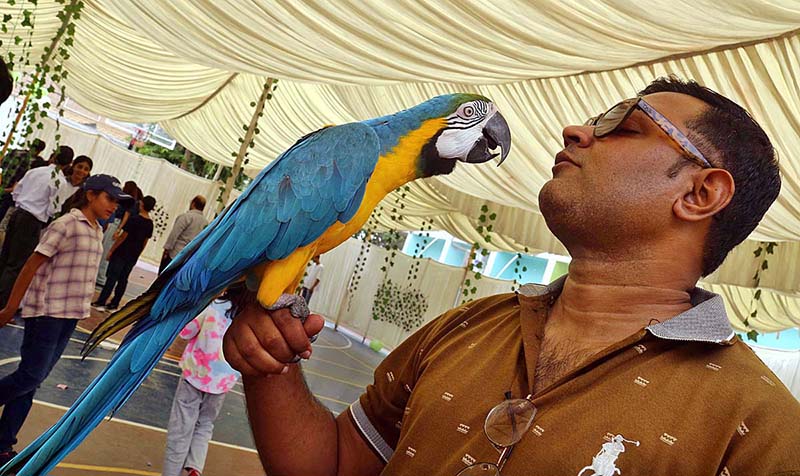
(64, 232)
(48, 263)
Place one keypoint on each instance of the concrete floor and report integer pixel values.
(133, 442)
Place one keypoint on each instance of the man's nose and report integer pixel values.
(582, 136)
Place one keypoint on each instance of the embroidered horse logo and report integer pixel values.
(603, 461)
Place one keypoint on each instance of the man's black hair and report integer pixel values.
(148, 203)
(735, 142)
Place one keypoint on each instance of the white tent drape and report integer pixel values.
(195, 66)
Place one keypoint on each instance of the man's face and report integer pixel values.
(616, 190)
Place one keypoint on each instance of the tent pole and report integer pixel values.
(187, 155)
(45, 59)
(248, 136)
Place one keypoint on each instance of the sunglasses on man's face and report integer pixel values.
(609, 121)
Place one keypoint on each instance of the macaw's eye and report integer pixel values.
(468, 111)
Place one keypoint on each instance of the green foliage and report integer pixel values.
(49, 72)
(413, 270)
(196, 164)
(404, 308)
(763, 251)
(160, 219)
(365, 235)
(486, 225)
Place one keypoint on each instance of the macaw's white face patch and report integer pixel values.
(465, 128)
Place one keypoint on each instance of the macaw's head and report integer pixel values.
(470, 129)
(437, 134)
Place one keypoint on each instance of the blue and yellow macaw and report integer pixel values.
(306, 202)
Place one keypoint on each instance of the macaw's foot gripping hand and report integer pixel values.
(296, 305)
(298, 308)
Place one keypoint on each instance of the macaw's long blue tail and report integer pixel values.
(107, 393)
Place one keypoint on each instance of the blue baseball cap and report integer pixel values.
(108, 184)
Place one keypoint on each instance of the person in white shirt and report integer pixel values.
(311, 281)
(76, 174)
(35, 200)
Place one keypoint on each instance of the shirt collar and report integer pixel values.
(81, 217)
(706, 321)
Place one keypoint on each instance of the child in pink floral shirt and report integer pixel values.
(207, 377)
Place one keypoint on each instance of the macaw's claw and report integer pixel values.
(296, 304)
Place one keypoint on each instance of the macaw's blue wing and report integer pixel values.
(317, 182)
(320, 180)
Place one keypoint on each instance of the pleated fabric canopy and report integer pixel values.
(195, 67)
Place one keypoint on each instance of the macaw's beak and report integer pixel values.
(495, 134)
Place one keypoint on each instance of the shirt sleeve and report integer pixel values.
(763, 442)
(19, 188)
(180, 224)
(54, 239)
(193, 327)
(379, 410)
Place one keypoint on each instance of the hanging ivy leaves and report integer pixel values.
(404, 308)
(160, 219)
(484, 229)
(763, 251)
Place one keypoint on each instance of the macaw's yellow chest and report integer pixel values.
(394, 169)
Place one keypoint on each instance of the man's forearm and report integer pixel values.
(294, 433)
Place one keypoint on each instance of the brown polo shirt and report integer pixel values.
(682, 397)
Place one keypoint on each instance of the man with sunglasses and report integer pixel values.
(622, 367)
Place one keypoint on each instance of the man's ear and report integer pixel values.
(711, 191)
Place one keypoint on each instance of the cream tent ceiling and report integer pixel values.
(196, 65)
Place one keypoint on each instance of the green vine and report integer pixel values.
(49, 78)
(763, 251)
(402, 305)
(519, 270)
(49, 72)
(365, 235)
(404, 308)
(252, 143)
(160, 219)
(416, 254)
(485, 226)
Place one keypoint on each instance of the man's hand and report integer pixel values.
(6, 315)
(260, 342)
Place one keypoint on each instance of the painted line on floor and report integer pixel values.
(366, 365)
(177, 375)
(17, 326)
(330, 362)
(335, 379)
(331, 345)
(143, 426)
(11, 360)
(107, 469)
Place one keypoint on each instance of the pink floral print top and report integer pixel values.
(202, 361)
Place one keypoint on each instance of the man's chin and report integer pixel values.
(558, 207)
